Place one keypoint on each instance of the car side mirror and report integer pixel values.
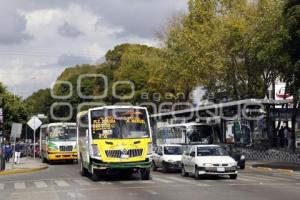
(160, 153)
(192, 154)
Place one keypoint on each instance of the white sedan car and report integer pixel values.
(208, 159)
(167, 157)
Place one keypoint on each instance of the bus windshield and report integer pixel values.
(200, 134)
(62, 133)
(119, 123)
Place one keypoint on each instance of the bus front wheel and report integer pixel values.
(145, 174)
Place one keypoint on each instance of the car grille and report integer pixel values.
(66, 148)
(220, 165)
(118, 153)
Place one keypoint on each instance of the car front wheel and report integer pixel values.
(197, 176)
(183, 172)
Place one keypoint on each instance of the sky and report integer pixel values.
(40, 38)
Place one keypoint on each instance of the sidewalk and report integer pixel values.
(26, 165)
(274, 165)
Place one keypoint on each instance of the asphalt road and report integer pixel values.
(64, 182)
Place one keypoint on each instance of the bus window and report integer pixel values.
(119, 123)
(200, 134)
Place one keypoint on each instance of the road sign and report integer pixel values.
(16, 130)
(34, 123)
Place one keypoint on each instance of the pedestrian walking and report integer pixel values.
(286, 136)
(281, 136)
(17, 153)
(7, 152)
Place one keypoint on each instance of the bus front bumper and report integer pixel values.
(131, 165)
(62, 156)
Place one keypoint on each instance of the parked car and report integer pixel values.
(167, 157)
(207, 160)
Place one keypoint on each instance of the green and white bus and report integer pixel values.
(58, 142)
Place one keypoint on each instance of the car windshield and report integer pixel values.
(211, 151)
(200, 134)
(62, 133)
(172, 150)
(119, 123)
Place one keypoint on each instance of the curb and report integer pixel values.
(268, 169)
(22, 171)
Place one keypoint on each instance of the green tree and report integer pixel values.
(291, 71)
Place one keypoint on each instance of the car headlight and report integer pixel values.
(243, 157)
(95, 150)
(207, 164)
(233, 164)
(150, 151)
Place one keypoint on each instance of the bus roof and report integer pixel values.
(117, 106)
(59, 124)
(182, 124)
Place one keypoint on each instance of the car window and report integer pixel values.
(173, 150)
(211, 151)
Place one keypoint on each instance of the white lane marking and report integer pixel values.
(202, 185)
(71, 194)
(1, 186)
(162, 180)
(105, 183)
(134, 182)
(282, 178)
(258, 178)
(179, 179)
(20, 185)
(82, 182)
(40, 184)
(246, 179)
(152, 192)
(61, 183)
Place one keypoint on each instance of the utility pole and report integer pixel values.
(2, 152)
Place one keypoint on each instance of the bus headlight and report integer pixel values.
(95, 150)
(150, 149)
(53, 148)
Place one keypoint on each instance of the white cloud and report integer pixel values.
(97, 31)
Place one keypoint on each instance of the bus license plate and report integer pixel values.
(124, 156)
(220, 169)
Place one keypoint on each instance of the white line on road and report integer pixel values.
(134, 182)
(82, 182)
(61, 183)
(20, 185)
(40, 184)
(152, 192)
(246, 179)
(1, 186)
(105, 183)
(162, 180)
(179, 179)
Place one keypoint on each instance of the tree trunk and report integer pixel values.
(294, 117)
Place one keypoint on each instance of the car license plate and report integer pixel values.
(220, 169)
